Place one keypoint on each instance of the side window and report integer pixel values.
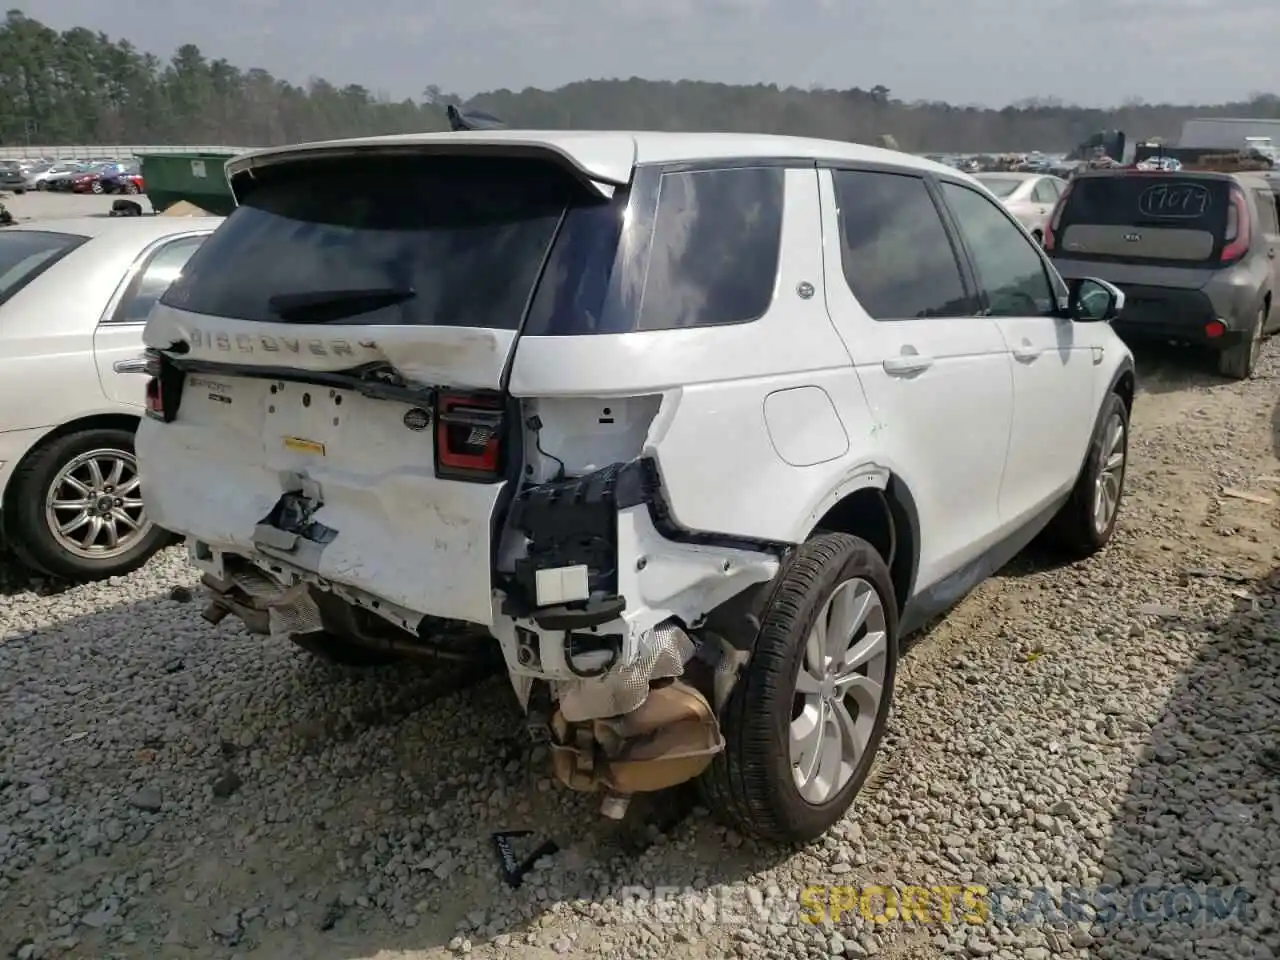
(717, 235)
(1044, 192)
(1267, 209)
(153, 278)
(1009, 267)
(898, 259)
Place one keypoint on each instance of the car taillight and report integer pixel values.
(1051, 228)
(469, 430)
(1236, 238)
(164, 387)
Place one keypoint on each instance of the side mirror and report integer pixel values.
(1090, 300)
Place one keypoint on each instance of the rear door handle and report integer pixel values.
(132, 365)
(906, 364)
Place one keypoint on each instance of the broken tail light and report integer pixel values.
(164, 387)
(469, 430)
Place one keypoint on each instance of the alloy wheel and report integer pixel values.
(94, 506)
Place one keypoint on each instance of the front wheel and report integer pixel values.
(42, 186)
(1087, 520)
(97, 186)
(805, 720)
(130, 188)
(77, 508)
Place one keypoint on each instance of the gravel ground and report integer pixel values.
(172, 789)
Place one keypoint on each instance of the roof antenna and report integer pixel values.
(472, 120)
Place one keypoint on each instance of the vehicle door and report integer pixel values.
(936, 374)
(1053, 366)
(1268, 211)
(117, 342)
(1043, 199)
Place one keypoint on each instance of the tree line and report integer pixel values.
(78, 86)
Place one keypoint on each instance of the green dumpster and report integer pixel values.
(197, 178)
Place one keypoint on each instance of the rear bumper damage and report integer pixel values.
(600, 607)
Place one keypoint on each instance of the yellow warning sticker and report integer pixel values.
(300, 445)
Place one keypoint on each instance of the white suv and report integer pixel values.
(697, 426)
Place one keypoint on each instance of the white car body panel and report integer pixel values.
(755, 429)
(51, 373)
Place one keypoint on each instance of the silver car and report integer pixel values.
(74, 296)
(1030, 197)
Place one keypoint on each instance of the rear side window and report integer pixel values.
(898, 259)
(714, 256)
(25, 254)
(163, 266)
(389, 240)
(1044, 192)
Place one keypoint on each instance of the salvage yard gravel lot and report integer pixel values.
(172, 789)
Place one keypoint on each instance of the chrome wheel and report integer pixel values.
(839, 689)
(94, 505)
(1106, 488)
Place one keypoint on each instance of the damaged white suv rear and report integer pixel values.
(696, 426)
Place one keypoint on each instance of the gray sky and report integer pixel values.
(993, 52)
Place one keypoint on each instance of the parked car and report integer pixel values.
(73, 297)
(698, 427)
(1195, 253)
(40, 176)
(95, 178)
(127, 178)
(11, 176)
(1030, 197)
(61, 180)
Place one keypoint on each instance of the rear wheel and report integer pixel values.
(130, 187)
(97, 186)
(805, 720)
(1088, 519)
(41, 185)
(77, 508)
(1240, 360)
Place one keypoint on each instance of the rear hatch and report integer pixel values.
(332, 367)
(1143, 228)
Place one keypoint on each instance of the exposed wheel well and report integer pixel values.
(102, 421)
(886, 520)
(1124, 387)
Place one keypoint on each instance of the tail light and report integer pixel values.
(1236, 238)
(469, 429)
(1051, 228)
(164, 387)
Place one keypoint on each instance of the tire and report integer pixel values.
(43, 474)
(97, 187)
(752, 785)
(1079, 530)
(1240, 360)
(42, 186)
(130, 188)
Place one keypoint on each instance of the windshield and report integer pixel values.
(25, 254)
(1002, 187)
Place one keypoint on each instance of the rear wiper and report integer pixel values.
(326, 306)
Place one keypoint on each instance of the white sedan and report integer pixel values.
(1030, 197)
(74, 295)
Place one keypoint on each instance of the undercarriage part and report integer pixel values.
(669, 739)
(661, 654)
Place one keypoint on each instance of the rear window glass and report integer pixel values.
(1171, 202)
(493, 243)
(25, 254)
(434, 241)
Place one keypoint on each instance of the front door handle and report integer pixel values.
(907, 364)
(1026, 352)
(133, 365)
